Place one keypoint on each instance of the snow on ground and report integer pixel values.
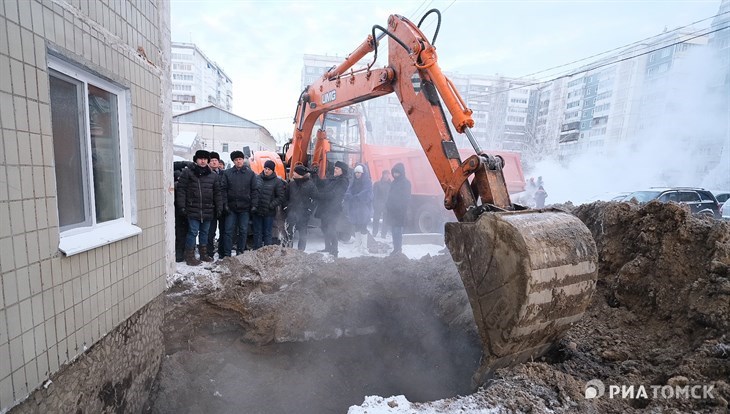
(400, 405)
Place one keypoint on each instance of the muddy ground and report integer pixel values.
(282, 331)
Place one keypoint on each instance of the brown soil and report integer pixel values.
(660, 316)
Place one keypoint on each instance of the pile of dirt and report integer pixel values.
(660, 319)
(284, 295)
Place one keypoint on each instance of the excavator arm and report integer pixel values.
(528, 274)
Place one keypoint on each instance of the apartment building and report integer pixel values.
(83, 197)
(197, 81)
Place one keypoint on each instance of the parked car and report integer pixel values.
(699, 200)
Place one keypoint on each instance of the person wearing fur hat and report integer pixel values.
(240, 189)
(358, 203)
(271, 196)
(199, 198)
(300, 194)
(397, 204)
(218, 223)
(330, 193)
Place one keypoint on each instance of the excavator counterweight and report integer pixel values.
(529, 274)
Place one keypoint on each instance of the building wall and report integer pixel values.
(54, 307)
(214, 136)
(114, 376)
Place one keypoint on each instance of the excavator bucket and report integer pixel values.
(529, 276)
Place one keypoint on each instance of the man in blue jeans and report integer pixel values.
(271, 196)
(240, 188)
(198, 198)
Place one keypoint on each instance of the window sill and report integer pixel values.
(79, 242)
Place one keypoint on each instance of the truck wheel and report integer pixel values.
(429, 220)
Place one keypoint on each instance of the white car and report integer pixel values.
(725, 211)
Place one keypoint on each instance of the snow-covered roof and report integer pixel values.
(185, 139)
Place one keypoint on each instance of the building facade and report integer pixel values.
(220, 131)
(83, 199)
(197, 81)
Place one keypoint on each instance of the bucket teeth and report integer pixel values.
(529, 276)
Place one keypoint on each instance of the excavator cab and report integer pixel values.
(529, 274)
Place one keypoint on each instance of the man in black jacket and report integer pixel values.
(300, 193)
(181, 220)
(397, 204)
(199, 198)
(240, 197)
(271, 196)
(330, 193)
(218, 223)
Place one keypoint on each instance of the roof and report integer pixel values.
(211, 114)
(185, 139)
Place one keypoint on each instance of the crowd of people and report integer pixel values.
(210, 200)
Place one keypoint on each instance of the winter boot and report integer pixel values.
(204, 253)
(190, 259)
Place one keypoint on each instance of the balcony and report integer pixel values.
(571, 137)
(571, 126)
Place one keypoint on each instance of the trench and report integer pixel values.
(209, 367)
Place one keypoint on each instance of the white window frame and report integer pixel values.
(90, 236)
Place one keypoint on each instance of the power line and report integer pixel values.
(605, 64)
(624, 47)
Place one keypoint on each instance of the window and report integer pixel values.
(225, 147)
(91, 151)
(688, 197)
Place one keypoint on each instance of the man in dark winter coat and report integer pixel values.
(199, 197)
(397, 204)
(240, 196)
(181, 221)
(271, 196)
(330, 193)
(380, 196)
(218, 223)
(300, 193)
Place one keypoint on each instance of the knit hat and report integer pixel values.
(301, 170)
(237, 154)
(342, 166)
(270, 165)
(201, 154)
(215, 155)
(359, 169)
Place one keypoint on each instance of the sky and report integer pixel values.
(260, 45)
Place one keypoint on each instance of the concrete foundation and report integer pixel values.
(113, 376)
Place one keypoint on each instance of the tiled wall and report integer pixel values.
(53, 307)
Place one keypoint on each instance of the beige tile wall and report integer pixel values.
(53, 307)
